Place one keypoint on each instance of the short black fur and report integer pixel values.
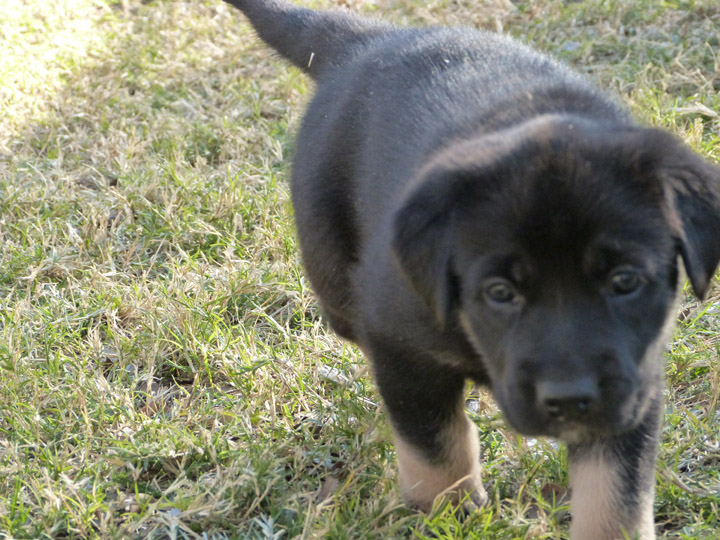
(468, 208)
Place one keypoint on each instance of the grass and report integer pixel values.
(164, 369)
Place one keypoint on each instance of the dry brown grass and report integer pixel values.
(164, 371)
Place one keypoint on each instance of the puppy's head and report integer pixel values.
(556, 246)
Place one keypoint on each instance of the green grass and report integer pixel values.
(164, 369)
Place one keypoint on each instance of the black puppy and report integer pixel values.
(468, 208)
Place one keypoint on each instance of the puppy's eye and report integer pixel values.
(500, 291)
(625, 281)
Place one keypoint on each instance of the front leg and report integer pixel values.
(613, 483)
(437, 445)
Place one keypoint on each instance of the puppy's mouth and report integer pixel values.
(608, 416)
(569, 431)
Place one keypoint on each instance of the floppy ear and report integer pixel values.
(694, 185)
(461, 174)
(422, 241)
(689, 188)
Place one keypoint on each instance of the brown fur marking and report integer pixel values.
(455, 478)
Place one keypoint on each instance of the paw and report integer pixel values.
(467, 498)
(425, 484)
(455, 476)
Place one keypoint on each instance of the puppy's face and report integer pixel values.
(565, 287)
(557, 247)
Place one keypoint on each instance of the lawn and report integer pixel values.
(165, 371)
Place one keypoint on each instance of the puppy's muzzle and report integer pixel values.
(570, 400)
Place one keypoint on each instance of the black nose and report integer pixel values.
(567, 400)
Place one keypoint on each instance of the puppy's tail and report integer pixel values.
(312, 40)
